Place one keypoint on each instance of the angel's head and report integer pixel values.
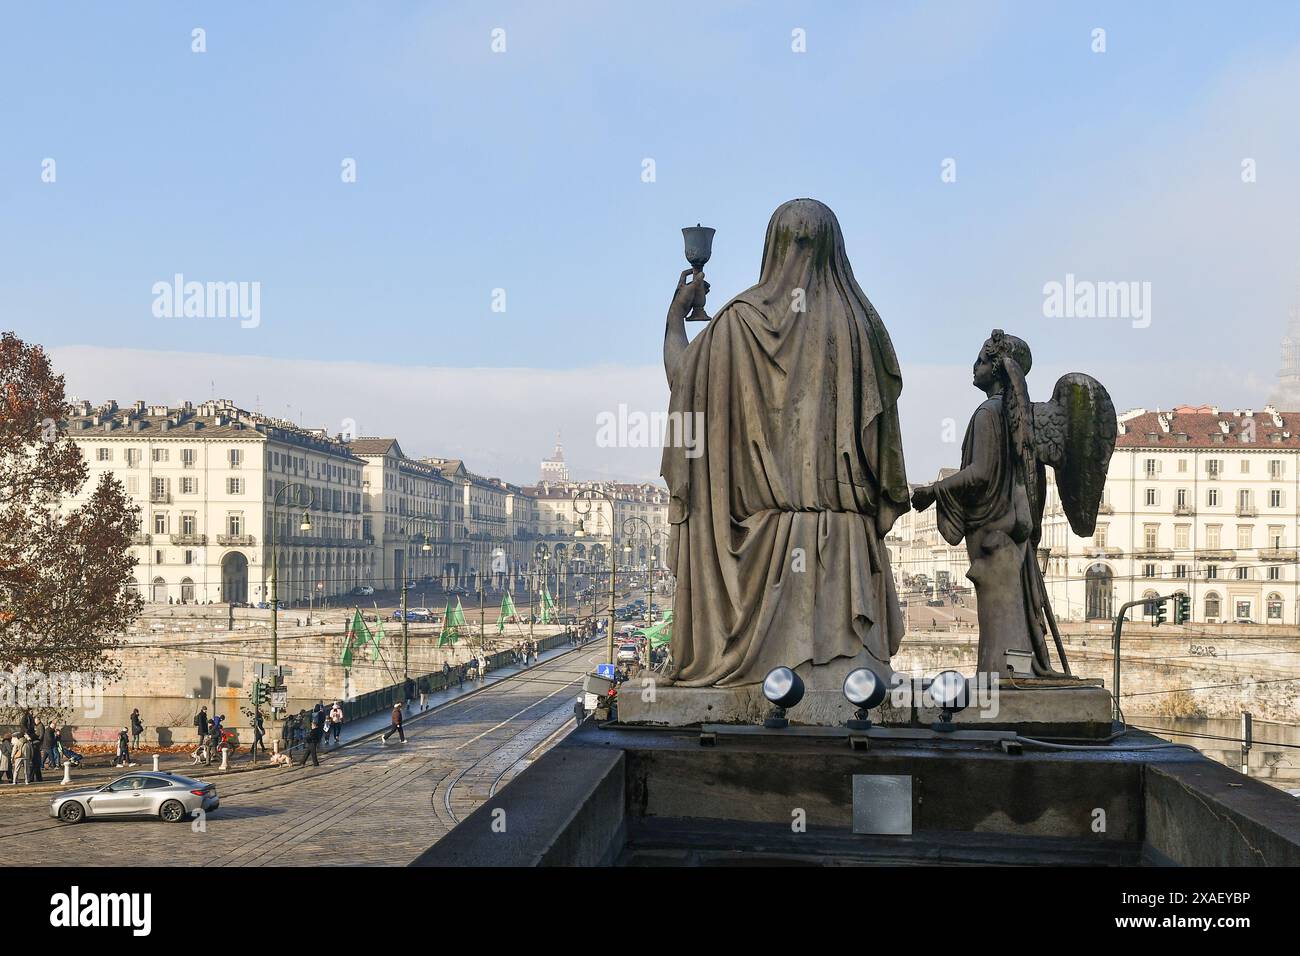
(990, 372)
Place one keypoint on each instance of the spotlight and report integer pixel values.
(864, 689)
(784, 688)
(948, 691)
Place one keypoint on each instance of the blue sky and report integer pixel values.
(522, 170)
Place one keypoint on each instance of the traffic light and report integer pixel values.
(259, 694)
(1182, 608)
(1160, 614)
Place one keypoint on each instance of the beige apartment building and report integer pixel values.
(1197, 500)
(209, 481)
(411, 513)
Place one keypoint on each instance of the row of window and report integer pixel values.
(1214, 467)
(1211, 572)
(133, 456)
(1213, 537)
(1245, 498)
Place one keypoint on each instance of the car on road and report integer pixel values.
(627, 653)
(363, 590)
(415, 615)
(166, 796)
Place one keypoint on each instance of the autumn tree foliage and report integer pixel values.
(64, 571)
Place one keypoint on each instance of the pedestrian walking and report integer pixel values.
(49, 748)
(29, 760)
(424, 694)
(201, 724)
(18, 757)
(6, 759)
(259, 731)
(336, 720)
(313, 739)
(396, 728)
(579, 709)
(123, 758)
(137, 728)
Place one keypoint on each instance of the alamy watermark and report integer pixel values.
(628, 429)
(208, 300)
(1086, 299)
(21, 688)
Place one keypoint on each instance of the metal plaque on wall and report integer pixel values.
(882, 803)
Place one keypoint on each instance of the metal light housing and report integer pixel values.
(784, 689)
(949, 691)
(864, 689)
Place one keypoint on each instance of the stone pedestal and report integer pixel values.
(1042, 708)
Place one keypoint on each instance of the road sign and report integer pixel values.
(279, 699)
(266, 671)
(605, 670)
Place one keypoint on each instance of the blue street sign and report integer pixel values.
(605, 670)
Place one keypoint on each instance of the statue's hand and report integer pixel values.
(684, 298)
(923, 497)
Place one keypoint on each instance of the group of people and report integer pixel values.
(211, 734)
(309, 730)
(34, 747)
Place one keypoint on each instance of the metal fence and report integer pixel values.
(388, 697)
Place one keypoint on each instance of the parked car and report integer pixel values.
(414, 615)
(363, 590)
(167, 796)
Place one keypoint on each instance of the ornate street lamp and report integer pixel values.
(582, 504)
(300, 496)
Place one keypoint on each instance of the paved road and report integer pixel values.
(369, 803)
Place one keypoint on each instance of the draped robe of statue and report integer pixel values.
(778, 526)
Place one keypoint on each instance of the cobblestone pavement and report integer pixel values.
(368, 803)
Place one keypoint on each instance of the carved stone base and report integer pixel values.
(1033, 708)
(1054, 707)
(823, 703)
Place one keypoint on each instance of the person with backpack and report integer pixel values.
(396, 728)
(137, 728)
(123, 757)
(336, 720)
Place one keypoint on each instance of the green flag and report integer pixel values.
(451, 624)
(375, 639)
(548, 606)
(507, 612)
(356, 636)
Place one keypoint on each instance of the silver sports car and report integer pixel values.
(167, 796)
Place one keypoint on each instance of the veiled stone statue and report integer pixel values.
(778, 520)
(995, 501)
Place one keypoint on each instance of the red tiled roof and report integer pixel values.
(1198, 426)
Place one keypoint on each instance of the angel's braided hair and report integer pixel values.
(1003, 346)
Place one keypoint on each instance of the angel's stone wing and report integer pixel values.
(1075, 434)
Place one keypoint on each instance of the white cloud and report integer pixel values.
(503, 421)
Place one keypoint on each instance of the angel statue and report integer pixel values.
(995, 501)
